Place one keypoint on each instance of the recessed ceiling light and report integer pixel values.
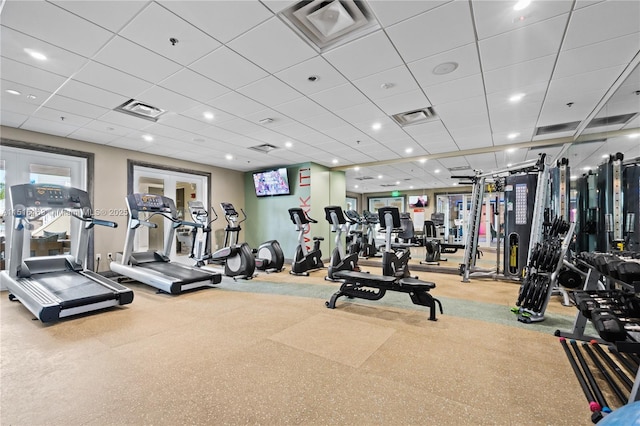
(634, 135)
(379, 176)
(516, 98)
(455, 183)
(355, 186)
(573, 177)
(408, 150)
(356, 168)
(586, 168)
(376, 126)
(513, 136)
(35, 55)
(334, 161)
(229, 157)
(147, 138)
(30, 96)
(208, 115)
(411, 187)
(423, 160)
(13, 92)
(511, 150)
(445, 68)
(509, 164)
(521, 4)
(605, 155)
(288, 144)
(436, 171)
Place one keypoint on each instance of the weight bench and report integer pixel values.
(373, 287)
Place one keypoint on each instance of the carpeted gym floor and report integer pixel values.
(267, 351)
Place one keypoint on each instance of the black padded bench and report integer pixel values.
(373, 287)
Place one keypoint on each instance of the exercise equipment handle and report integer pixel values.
(191, 224)
(101, 222)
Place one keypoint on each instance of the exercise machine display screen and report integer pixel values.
(149, 202)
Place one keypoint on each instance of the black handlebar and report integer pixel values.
(101, 222)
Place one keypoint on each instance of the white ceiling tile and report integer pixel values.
(301, 108)
(183, 122)
(59, 61)
(218, 133)
(91, 94)
(12, 119)
(134, 143)
(240, 126)
(236, 104)
(584, 3)
(19, 105)
(481, 132)
(279, 119)
(611, 52)
(556, 111)
(365, 56)
(49, 127)
(365, 113)
(496, 17)
(516, 76)
(602, 21)
(166, 99)
(392, 12)
(340, 97)
(193, 85)
(298, 75)
(387, 83)
(126, 120)
(62, 28)
(112, 14)
(270, 91)
(524, 134)
(293, 129)
(323, 121)
(455, 90)
(198, 113)
(129, 57)
(72, 106)
(223, 20)
(228, 68)
(468, 112)
(111, 79)
(154, 26)
(160, 130)
(529, 105)
(110, 128)
(404, 102)
(466, 57)
(89, 135)
(273, 46)
(29, 76)
(435, 31)
(568, 87)
(531, 42)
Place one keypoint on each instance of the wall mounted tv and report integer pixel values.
(271, 182)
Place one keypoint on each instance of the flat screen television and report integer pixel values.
(271, 182)
(418, 201)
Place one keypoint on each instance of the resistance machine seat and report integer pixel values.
(373, 287)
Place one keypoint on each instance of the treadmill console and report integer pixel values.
(153, 203)
(49, 196)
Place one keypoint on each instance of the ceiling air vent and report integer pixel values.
(415, 117)
(557, 128)
(364, 178)
(139, 109)
(387, 185)
(264, 148)
(330, 23)
(609, 121)
(458, 168)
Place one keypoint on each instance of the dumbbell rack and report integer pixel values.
(551, 272)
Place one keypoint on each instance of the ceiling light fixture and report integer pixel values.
(423, 160)
(288, 144)
(605, 155)
(516, 98)
(376, 126)
(147, 138)
(521, 4)
(208, 115)
(410, 186)
(266, 121)
(408, 150)
(229, 157)
(511, 150)
(13, 92)
(35, 54)
(573, 177)
(397, 182)
(513, 136)
(436, 171)
(355, 186)
(30, 96)
(455, 183)
(379, 176)
(356, 168)
(334, 161)
(634, 135)
(445, 68)
(586, 168)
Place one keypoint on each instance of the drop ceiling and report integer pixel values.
(266, 83)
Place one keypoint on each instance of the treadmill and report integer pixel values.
(154, 268)
(53, 287)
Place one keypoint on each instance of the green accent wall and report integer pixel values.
(312, 187)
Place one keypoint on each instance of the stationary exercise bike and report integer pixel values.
(339, 260)
(268, 256)
(355, 231)
(369, 248)
(395, 258)
(237, 258)
(305, 260)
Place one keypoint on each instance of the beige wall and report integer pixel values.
(110, 182)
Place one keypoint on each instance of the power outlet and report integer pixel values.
(110, 256)
(98, 257)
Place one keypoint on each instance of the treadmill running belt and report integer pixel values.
(183, 274)
(73, 288)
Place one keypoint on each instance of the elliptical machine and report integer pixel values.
(354, 237)
(269, 256)
(305, 260)
(339, 260)
(395, 258)
(237, 258)
(369, 248)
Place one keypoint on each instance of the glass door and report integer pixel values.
(51, 233)
(181, 188)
